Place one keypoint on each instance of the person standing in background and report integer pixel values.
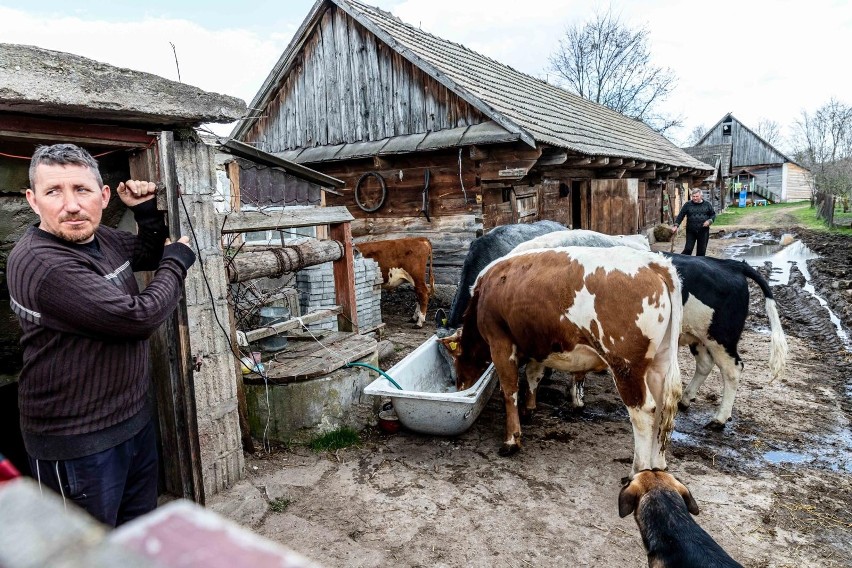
(86, 414)
(699, 216)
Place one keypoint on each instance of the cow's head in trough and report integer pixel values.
(442, 331)
(467, 359)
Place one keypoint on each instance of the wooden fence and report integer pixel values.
(824, 203)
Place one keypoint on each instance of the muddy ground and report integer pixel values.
(774, 488)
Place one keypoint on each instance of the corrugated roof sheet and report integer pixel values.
(550, 114)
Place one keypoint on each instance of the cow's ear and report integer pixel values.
(628, 499)
(440, 318)
(452, 344)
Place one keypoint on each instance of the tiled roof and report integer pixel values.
(549, 114)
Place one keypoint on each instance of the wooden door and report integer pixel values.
(614, 206)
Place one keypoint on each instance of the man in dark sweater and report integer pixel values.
(699, 216)
(86, 417)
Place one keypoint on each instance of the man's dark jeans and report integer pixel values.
(701, 237)
(115, 485)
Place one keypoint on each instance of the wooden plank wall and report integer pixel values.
(347, 86)
(748, 148)
(454, 222)
(799, 183)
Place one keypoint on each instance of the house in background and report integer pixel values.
(752, 161)
(436, 140)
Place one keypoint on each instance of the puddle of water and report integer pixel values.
(782, 258)
(779, 457)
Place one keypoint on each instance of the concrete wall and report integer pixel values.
(222, 461)
(298, 412)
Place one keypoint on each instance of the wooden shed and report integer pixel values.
(775, 176)
(137, 125)
(437, 140)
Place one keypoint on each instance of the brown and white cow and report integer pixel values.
(579, 309)
(405, 260)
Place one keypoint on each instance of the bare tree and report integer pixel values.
(770, 131)
(697, 134)
(606, 62)
(824, 145)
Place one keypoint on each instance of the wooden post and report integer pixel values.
(184, 425)
(344, 278)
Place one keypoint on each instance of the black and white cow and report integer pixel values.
(715, 308)
(584, 238)
(498, 242)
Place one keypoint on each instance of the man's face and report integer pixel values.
(68, 200)
(696, 197)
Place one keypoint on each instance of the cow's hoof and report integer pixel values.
(507, 450)
(714, 425)
(684, 405)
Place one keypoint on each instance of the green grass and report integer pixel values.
(335, 440)
(279, 505)
(802, 212)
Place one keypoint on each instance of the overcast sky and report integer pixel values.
(756, 59)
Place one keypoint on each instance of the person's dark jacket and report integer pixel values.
(696, 214)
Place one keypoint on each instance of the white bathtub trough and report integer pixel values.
(429, 402)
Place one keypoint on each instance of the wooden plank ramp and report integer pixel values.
(306, 358)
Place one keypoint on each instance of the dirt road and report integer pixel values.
(775, 487)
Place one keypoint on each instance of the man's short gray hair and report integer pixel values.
(696, 190)
(63, 155)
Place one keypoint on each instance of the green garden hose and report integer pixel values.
(385, 375)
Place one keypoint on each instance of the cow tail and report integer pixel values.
(431, 274)
(778, 342)
(672, 385)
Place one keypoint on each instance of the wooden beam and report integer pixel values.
(288, 218)
(381, 163)
(601, 161)
(292, 323)
(554, 157)
(585, 160)
(614, 174)
(234, 177)
(260, 157)
(344, 278)
(81, 132)
(478, 153)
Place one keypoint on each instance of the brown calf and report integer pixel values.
(404, 260)
(661, 506)
(579, 309)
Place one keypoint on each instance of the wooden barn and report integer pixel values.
(749, 159)
(434, 139)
